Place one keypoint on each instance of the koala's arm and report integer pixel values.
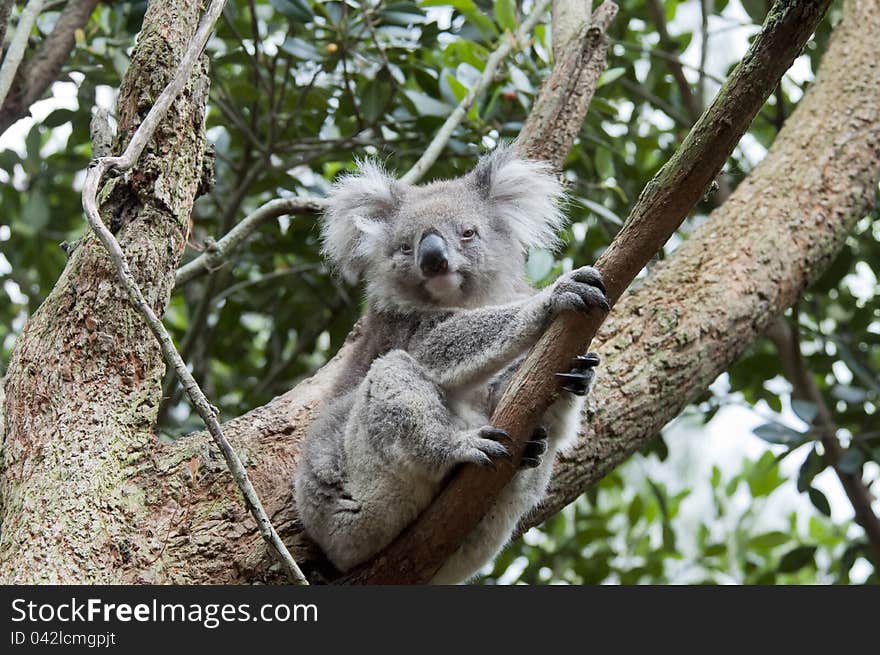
(471, 344)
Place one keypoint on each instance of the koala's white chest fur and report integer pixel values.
(469, 404)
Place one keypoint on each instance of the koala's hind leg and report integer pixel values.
(408, 422)
(397, 443)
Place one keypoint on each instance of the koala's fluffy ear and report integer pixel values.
(525, 196)
(359, 208)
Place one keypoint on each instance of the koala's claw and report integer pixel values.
(484, 446)
(579, 378)
(591, 276)
(581, 290)
(590, 360)
(535, 449)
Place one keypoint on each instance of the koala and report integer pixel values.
(449, 319)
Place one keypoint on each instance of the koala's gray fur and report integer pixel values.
(435, 354)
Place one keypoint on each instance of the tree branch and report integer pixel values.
(420, 550)
(127, 160)
(15, 53)
(787, 342)
(508, 42)
(558, 113)
(566, 19)
(216, 252)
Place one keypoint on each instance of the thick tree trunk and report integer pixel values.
(172, 514)
(84, 382)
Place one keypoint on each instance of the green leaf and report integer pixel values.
(426, 105)
(33, 142)
(473, 14)
(731, 486)
(602, 210)
(797, 558)
(458, 89)
(35, 213)
(609, 75)
(848, 394)
(520, 80)
(804, 409)
(59, 117)
(819, 501)
(298, 10)
(769, 540)
(300, 48)
(8, 160)
(812, 466)
(756, 9)
(763, 477)
(714, 550)
(780, 434)
(374, 99)
(505, 14)
(634, 511)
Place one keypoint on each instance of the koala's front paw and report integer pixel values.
(580, 377)
(580, 290)
(535, 449)
(483, 446)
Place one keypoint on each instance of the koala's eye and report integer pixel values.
(468, 234)
(406, 248)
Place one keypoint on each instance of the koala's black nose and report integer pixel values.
(432, 255)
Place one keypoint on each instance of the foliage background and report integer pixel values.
(735, 490)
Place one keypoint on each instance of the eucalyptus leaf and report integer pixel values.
(797, 558)
(780, 434)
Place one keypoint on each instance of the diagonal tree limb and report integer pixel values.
(421, 549)
(127, 160)
(699, 309)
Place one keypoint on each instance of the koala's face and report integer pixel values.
(453, 243)
(442, 247)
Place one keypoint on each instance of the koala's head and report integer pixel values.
(451, 243)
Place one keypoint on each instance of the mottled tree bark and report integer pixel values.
(567, 18)
(83, 385)
(665, 341)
